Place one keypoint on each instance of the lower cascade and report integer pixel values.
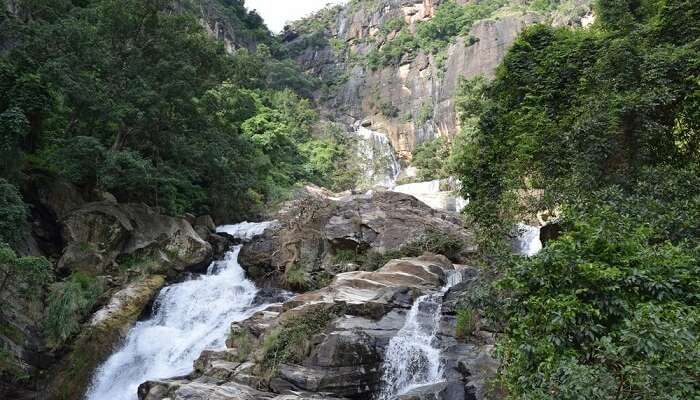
(188, 317)
(413, 355)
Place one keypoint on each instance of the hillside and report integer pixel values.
(398, 64)
(453, 200)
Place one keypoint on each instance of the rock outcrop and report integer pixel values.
(97, 340)
(331, 343)
(420, 89)
(98, 234)
(322, 234)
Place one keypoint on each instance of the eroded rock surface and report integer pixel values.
(98, 233)
(319, 229)
(355, 317)
(421, 87)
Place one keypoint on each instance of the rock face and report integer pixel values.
(341, 357)
(420, 88)
(98, 233)
(319, 231)
(97, 340)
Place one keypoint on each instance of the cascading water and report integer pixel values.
(528, 241)
(246, 230)
(378, 161)
(413, 355)
(440, 194)
(189, 317)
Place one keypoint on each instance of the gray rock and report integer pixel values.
(98, 233)
(377, 221)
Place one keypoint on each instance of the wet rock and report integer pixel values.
(97, 341)
(437, 391)
(271, 295)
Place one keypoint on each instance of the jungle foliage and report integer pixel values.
(599, 127)
(134, 98)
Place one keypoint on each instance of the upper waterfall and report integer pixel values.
(378, 161)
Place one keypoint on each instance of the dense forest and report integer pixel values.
(594, 131)
(153, 110)
(599, 127)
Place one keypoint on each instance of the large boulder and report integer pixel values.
(318, 230)
(98, 234)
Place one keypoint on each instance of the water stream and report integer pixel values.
(188, 317)
(378, 161)
(413, 355)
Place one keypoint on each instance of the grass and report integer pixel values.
(296, 277)
(242, 342)
(291, 341)
(467, 321)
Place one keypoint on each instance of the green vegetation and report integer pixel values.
(466, 325)
(432, 160)
(430, 242)
(450, 21)
(137, 100)
(69, 303)
(29, 274)
(599, 127)
(296, 277)
(13, 213)
(241, 340)
(290, 342)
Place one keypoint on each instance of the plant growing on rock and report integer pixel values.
(68, 303)
(467, 323)
(290, 342)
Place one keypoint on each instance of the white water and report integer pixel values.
(378, 161)
(432, 194)
(413, 355)
(246, 230)
(528, 241)
(189, 317)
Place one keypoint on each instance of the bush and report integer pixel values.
(68, 304)
(431, 159)
(466, 325)
(291, 341)
(242, 342)
(78, 159)
(29, 274)
(296, 278)
(604, 303)
(13, 213)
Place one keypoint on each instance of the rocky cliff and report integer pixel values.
(412, 98)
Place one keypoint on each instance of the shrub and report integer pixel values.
(242, 342)
(68, 303)
(291, 341)
(467, 323)
(296, 278)
(604, 303)
(30, 274)
(344, 256)
(13, 213)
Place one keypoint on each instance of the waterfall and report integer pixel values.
(188, 317)
(439, 194)
(378, 161)
(527, 242)
(413, 355)
(246, 230)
